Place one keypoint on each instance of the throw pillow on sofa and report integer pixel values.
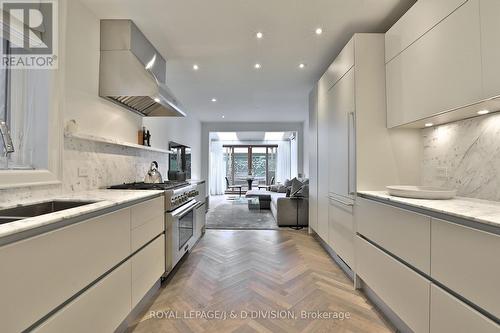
(274, 188)
(296, 186)
(282, 188)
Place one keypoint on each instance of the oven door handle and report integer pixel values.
(183, 211)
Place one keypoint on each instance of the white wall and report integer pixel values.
(93, 114)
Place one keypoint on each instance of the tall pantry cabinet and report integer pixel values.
(355, 150)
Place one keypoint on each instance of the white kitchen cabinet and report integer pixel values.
(101, 308)
(148, 265)
(323, 148)
(341, 65)
(313, 158)
(449, 314)
(421, 18)
(355, 149)
(405, 234)
(402, 289)
(341, 109)
(146, 211)
(341, 231)
(438, 72)
(42, 272)
(490, 47)
(146, 232)
(467, 261)
(147, 221)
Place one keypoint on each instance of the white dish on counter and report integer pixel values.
(422, 192)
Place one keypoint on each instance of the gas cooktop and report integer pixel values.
(167, 185)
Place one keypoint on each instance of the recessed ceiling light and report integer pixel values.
(214, 100)
(259, 35)
(195, 67)
(157, 100)
(302, 65)
(223, 117)
(429, 125)
(319, 31)
(257, 66)
(483, 112)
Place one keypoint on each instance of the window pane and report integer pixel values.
(240, 165)
(271, 175)
(259, 163)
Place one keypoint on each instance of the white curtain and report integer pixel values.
(294, 157)
(283, 162)
(29, 118)
(217, 169)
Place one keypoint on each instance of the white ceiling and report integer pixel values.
(219, 36)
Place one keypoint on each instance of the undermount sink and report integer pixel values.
(422, 192)
(24, 212)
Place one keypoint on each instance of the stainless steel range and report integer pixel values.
(180, 205)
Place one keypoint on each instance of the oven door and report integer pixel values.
(186, 227)
(179, 230)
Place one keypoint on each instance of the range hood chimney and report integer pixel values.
(132, 72)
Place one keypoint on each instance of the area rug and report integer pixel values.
(233, 213)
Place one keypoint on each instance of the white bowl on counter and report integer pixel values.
(422, 192)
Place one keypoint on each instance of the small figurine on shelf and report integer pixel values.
(148, 139)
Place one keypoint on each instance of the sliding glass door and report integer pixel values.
(241, 165)
(250, 162)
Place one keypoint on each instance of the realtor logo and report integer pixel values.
(29, 33)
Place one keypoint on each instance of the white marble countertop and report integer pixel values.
(482, 211)
(104, 199)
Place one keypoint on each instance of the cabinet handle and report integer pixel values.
(345, 203)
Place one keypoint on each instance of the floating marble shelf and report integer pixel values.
(95, 138)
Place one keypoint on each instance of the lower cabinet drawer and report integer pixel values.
(40, 273)
(341, 232)
(402, 289)
(145, 211)
(467, 261)
(449, 314)
(148, 266)
(405, 234)
(99, 309)
(146, 232)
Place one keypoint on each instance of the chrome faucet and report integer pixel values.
(6, 138)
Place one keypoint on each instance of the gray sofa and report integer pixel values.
(283, 209)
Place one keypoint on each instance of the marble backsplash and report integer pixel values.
(105, 164)
(464, 155)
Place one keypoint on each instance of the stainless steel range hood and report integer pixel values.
(132, 72)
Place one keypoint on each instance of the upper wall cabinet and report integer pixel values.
(340, 66)
(438, 71)
(421, 18)
(490, 43)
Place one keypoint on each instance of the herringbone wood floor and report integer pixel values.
(260, 270)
